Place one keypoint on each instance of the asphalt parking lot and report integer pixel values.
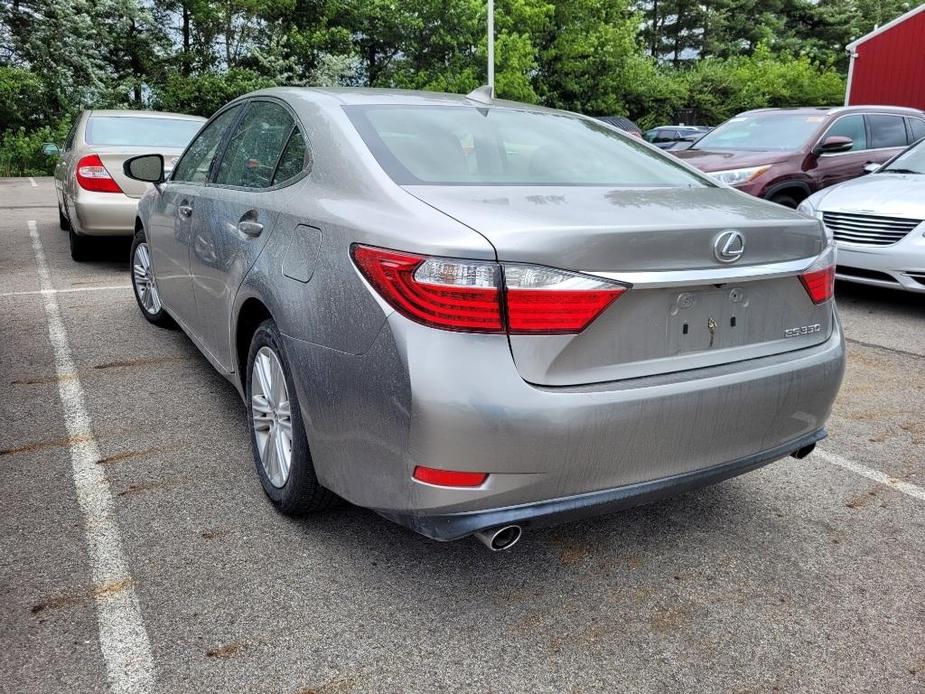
(805, 576)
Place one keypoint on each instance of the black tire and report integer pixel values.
(63, 221)
(81, 246)
(785, 199)
(301, 493)
(158, 317)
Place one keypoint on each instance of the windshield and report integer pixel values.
(763, 132)
(462, 145)
(910, 161)
(143, 132)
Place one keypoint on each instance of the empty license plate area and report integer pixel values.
(716, 318)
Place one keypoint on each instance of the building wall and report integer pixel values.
(890, 67)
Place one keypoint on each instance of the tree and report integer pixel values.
(587, 56)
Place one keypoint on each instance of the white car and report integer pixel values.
(878, 222)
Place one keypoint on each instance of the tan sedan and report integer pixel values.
(95, 197)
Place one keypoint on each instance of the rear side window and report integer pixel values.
(197, 160)
(292, 160)
(916, 128)
(255, 146)
(140, 132)
(887, 131)
(850, 126)
(69, 140)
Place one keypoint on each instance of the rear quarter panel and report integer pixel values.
(345, 198)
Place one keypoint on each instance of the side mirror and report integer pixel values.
(146, 167)
(872, 167)
(834, 143)
(50, 149)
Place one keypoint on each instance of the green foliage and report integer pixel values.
(718, 89)
(648, 59)
(583, 55)
(21, 151)
(205, 93)
(23, 99)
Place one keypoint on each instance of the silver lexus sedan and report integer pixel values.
(475, 316)
(878, 222)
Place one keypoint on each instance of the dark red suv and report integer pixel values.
(785, 154)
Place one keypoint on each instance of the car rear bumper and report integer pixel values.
(103, 214)
(454, 526)
(899, 266)
(455, 401)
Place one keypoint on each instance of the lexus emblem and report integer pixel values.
(729, 246)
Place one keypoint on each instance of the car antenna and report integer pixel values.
(483, 94)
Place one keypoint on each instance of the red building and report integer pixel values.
(888, 65)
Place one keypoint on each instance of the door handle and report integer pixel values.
(249, 227)
(185, 210)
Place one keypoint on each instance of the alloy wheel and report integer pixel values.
(145, 286)
(271, 415)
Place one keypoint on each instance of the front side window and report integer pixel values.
(255, 146)
(194, 166)
(886, 131)
(849, 126)
(134, 131)
(469, 145)
(666, 136)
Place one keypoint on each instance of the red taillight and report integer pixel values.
(819, 278)
(532, 311)
(467, 294)
(820, 284)
(92, 175)
(473, 306)
(449, 478)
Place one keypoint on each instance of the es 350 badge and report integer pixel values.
(803, 330)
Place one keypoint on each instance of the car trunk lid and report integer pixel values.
(686, 308)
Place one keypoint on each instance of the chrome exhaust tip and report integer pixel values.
(500, 539)
(803, 452)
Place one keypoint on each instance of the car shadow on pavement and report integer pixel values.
(909, 303)
(357, 536)
(109, 254)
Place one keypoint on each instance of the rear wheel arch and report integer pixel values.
(252, 313)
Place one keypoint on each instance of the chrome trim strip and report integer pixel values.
(719, 275)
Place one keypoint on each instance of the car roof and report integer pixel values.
(834, 110)
(143, 114)
(366, 96)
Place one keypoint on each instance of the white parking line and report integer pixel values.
(123, 639)
(32, 181)
(107, 288)
(906, 488)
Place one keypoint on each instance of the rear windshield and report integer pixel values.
(760, 132)
(462, 145)
(146, 132)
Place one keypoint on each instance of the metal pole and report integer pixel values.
(491, 47)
